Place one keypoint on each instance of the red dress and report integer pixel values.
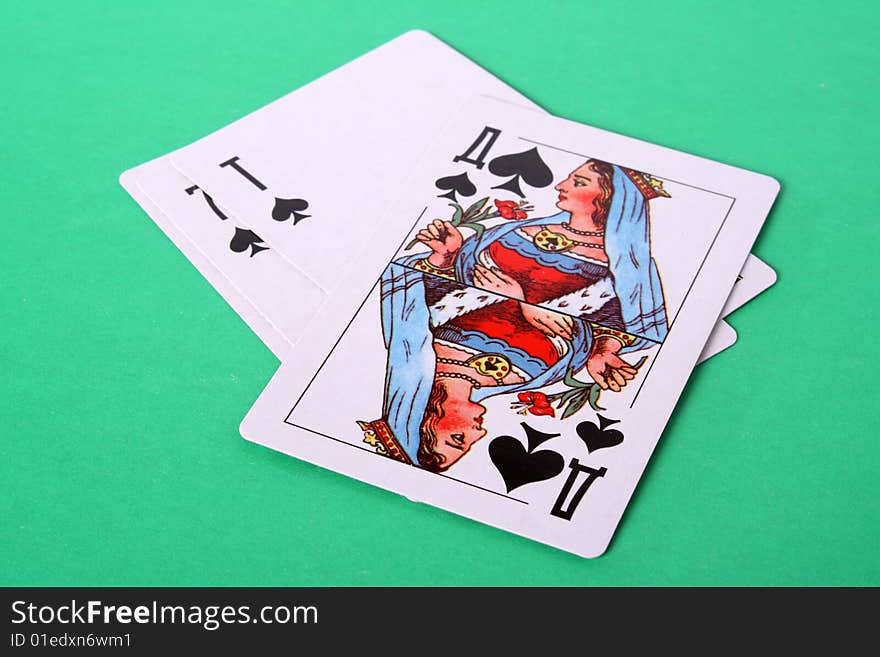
(539, 282)
(503, 321)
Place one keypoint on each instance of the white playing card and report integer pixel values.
(285, 297)
(755, 277)
(722, 337)
(533, 370)
(335, 152)
(253, 318)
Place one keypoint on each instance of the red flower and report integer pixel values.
(508, 210)
(538, 404)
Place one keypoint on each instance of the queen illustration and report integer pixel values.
(516, 308)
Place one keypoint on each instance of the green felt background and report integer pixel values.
(124, 375)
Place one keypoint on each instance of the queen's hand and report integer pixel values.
(444, 240)
(607, 368)
(495, 280)
(549, 322)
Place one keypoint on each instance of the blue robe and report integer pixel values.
(406, 317)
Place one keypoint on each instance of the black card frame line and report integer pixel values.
(330, 353)
(400, 246)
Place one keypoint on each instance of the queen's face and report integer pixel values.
(459, 428)
(578, 192)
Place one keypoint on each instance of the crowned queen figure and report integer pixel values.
(516, 308)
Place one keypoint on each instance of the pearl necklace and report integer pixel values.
(588, 233)
(456, 375)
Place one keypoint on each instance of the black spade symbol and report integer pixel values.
(491, 364)
(460, 184)
(527, 166)
(599, 437)
(536, 437)
(284, 207)
(244, 239)
(519, 467)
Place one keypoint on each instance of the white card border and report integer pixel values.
(752, 197)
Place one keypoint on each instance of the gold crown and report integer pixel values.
(648, 185)
(378, 435)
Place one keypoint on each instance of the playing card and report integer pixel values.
(722, 337)
(313, 172)
(253, 318)
(516, 354)
(284, 296)
(755, 277)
